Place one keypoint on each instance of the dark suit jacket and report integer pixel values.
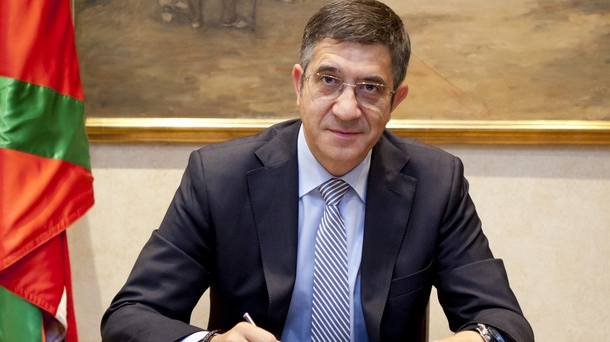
(232, 226)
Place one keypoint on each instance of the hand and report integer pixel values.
(243, 332)
(464, 336)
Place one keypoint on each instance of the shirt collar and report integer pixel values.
(312, 173)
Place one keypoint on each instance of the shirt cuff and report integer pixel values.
(196, 337)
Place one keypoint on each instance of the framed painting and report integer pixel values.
(517, 72)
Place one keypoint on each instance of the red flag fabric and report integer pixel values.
(45, 175)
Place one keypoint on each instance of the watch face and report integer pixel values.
(495, 335)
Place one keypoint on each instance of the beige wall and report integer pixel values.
(544, 209)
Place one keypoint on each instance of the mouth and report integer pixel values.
(343, 133)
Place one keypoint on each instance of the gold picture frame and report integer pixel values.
(537, 74)
(204, 131)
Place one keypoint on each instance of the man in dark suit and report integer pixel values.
(245, 221)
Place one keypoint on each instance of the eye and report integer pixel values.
(370, 88)
(329, 80)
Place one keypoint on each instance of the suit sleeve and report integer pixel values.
(171, 273)
(472, 285)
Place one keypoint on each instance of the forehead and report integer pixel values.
(349, 59)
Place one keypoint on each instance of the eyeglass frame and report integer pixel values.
(353, 86)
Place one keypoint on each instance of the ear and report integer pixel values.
(297, 74)
(401, 94)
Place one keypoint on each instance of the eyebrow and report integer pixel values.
(335, 70)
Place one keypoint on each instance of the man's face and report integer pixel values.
(340, 131)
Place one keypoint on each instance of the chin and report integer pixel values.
(345, 155)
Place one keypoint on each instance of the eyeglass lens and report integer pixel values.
(328, 87)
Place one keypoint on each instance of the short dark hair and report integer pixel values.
(359, 21)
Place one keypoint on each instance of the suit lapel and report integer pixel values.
(274, 194)
(388, 204)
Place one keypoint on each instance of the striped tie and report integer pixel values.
(330, 308)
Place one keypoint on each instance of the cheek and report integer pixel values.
(312, 111)
(377, 121)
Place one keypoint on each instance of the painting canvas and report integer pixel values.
(472, 60)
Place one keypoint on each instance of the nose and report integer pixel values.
(346, 105)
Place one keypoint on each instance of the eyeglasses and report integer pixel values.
(369, 94)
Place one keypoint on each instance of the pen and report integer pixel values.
(249, 319)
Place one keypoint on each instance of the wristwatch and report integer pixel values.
(489, 334)
(209, 336)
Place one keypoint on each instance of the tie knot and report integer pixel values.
(333, 190)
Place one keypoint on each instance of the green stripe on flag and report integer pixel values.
(40, 121)
(20, 320)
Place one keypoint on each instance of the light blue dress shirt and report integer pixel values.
(311, 209)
